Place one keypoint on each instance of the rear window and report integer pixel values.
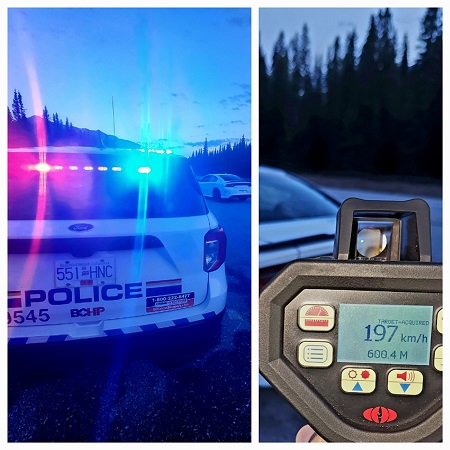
(231, 178)
(76, 186)
(285, 197)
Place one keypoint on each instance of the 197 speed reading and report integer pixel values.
(380, 331)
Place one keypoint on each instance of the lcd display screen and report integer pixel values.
(384, 334)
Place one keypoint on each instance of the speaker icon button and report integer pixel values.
(405, 382)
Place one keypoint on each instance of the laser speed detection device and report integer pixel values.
(354, 342)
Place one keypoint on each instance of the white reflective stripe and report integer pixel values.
(169, 323)
(70, 338)
(196, 318)
(129, 330)
(37, 339)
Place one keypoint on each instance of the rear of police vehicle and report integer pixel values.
(108, 242)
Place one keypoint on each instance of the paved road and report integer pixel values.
(183, 387)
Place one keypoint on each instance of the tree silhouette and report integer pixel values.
(280, 92)
(333, 80)
(18, 111)
(10, 117)
(387, 82)
(348, 80)
(46, 115)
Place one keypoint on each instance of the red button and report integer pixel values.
(380, 414)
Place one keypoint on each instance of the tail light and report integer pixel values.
(215, 249)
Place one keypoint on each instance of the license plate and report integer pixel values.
(86, 272)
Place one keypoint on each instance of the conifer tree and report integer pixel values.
(333, 79)
(280, 76)
(263, 82)
(46, 115)
(387, 80)
(22, 110)
(368, 67)
(348, 82)
(16, 110)
(10, 117)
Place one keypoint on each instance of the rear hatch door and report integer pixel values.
(103, 237)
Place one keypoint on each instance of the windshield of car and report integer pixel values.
(77, 186)
(284, 197)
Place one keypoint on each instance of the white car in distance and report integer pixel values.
(225, 186)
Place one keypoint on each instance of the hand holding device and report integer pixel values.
(355, 343)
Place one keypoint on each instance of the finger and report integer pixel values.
(304, 434)
(307, 434)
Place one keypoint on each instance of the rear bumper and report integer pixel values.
(210, 308)
(243, 196)
(231, 193)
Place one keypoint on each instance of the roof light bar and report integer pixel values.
(44, 168)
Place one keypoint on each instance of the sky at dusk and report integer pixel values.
(175, 76)
(325, 24)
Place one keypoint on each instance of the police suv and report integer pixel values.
(105, 242)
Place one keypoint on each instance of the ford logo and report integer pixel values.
(81, 227)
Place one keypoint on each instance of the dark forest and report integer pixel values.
(362, 112)
(228, 158)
